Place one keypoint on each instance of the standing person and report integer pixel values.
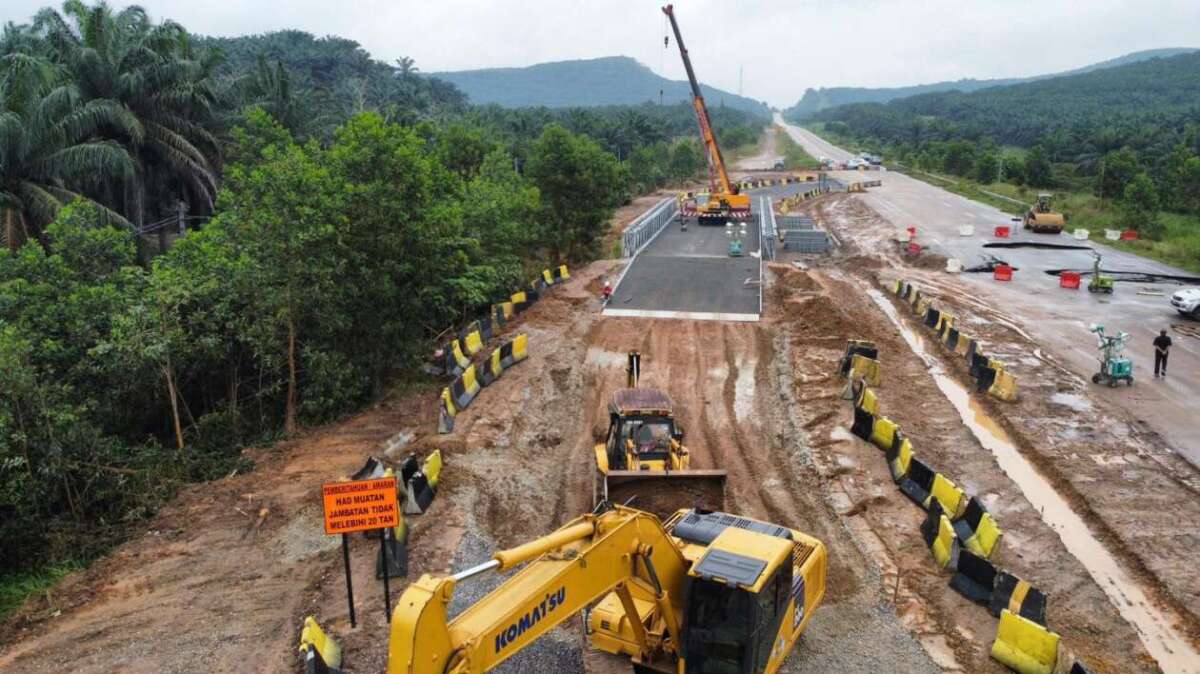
(608, 291)
(1162, 348)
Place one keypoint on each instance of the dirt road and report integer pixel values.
(204, 586)
(765, 158)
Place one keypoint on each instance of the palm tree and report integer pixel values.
(407, 67)
(50, 149)
(153, 72)
(303, 112)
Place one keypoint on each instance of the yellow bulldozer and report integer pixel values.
(1041, 216)
(642, 459)
(706, 592)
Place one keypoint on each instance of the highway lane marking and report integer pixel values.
(686, 315)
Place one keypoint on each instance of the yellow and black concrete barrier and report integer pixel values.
(321, 653)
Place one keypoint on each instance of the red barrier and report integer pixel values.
(1069, 279)
(914, 249)
(1129, 235)
(912, 232)
(1002, 232)
(1003, 272)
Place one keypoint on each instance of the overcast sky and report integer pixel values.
(783, 46)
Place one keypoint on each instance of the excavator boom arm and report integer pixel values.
(717, 175)
(570, 569)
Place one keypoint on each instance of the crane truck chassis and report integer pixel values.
(707, 592)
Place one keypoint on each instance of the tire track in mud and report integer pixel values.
(909, 396)
(713, 371)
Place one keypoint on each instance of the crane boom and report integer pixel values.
(724, 197)
(718, 177)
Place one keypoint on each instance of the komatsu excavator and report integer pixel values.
(643, 458)
(724, 201)
(707, 592)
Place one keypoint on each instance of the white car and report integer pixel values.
(1187, 302)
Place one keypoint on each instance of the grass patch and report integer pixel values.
(16, 587)
(794, 156)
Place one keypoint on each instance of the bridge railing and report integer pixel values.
(767, 232)
(647, 226)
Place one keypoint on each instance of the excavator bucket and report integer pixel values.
(663, 492)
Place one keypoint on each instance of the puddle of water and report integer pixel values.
(1072, 400)
(1172, 651)
(840, 433)
(743, 388)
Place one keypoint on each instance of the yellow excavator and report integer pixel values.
(1041, 216)
(724, 201)
(707, 592)
(642, 459)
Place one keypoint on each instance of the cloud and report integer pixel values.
(782, 46)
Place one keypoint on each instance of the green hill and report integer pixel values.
(614, 80)
(816, 100)
(1145, 104)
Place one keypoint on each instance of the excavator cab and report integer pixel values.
(750, 587)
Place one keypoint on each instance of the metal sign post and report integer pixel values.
(387, 593)
(363, 505)
(349, 583)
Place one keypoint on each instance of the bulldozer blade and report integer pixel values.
(664, 492)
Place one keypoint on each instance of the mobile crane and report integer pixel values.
(725, 201)
(643, 455)
(707, 592)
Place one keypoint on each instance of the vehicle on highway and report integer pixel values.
(1187, 302)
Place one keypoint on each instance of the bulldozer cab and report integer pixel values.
(641, 431)
(1043, 202)
(643, 457)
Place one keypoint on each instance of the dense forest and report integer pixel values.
(353, 211)
(816, 100)
(1130, 134)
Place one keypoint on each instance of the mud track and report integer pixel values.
(202, 584)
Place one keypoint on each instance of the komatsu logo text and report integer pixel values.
(531, 618)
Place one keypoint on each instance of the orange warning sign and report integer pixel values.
(360, 506)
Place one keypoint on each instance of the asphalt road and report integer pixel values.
(1057, 317)
(691, 275)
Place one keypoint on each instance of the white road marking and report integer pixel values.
(687, 315)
